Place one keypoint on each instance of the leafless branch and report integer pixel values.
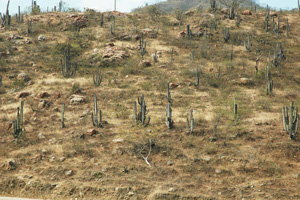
(150, 149)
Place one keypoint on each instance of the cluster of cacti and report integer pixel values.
(65, 67)
(97, 122)
(190, 125)
(101, 20)
(35, 9)
(238, 20)
(140, 117)
(18, 123)
(235, 111)
(169, 121)
(279, 55)
(6, 18)
(143, 45)
(197, 77)
(213, 5)
(113, 26)
(60, 6)
(231, 11)
(290, 120)
(226, 34)
(155, 56)
(269, 81)
(29, 26)
(76, 27)
(19, 18)
(98, 77)
(169, 98)
(62, 116)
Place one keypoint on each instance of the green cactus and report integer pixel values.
(140, 117)
(96, 122)
(101, 20)
(235, 111)
(290, 120)
(197, 77)
(169, 121)
(287, 28)
(97, 78)
(169, 98)
(238, 20)
(226, 34)
(62, 115)
(18, 123)
(155, 57)
(190, 126)
(269, 81)
(172, 55)
(65, 67)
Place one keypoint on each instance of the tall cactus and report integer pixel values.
(113, 26)
(192, 55)
(290, 120)
(18, 123)
(190, 126)
(226, 34)
(67, 65)
(197, 77)
(287, 28)
(101, 20)
(169, 98)
(238, 20)
(172, 55)
(169, 121)
(96, 122)
(235, 111)
(269, 81)
(143, 45)
(98, 77)
(140, 117)
(155, 57)
(29, 26)
(63, 115)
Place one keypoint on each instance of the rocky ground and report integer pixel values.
(223, 158)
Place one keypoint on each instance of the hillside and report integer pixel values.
(185, 5)
(245, 154)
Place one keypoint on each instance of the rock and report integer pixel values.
(9, 126)
(130, 193)
(61, 159)
(224, 10)
(23, 94)
(43, 104)
(11, 76)
(149, 33)
(41, 136)
(118, 140)
(56, 95)
(43, 95)
(273, 14)
(28, 41)
(218, 171)
(91, 132)
(169, 163)
(69, 173)
(11, 165)
(23, 77)
(197, 33)
(246, 12)
(245, 81)
(77, 99)
(145, 63)
(172, 190)
(41, 38)
(189, 13)
(212, 139)
(173, 85)
(181, 34)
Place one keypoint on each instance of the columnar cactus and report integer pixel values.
(155, 57)
(226, 34)
(169, 98)
(231, 12)
(113, 26)
(192, 56)
(269, 81)
(62, 115)
(238, 20)
(65, 67)
(213, 5)
(97, 78)
(287, 28)
(18, 123)
(0, 80)
(97, 122)
(231, 53)
(29, 26)
(188, 31)
(101, 20)
(267, 18)
(143, 45)
(76, 27)
(172, 55)
(235, 111)
(290, 120)
(190, 126)
(169, 121)
(140, 117)
(279, 55)
(197, 77)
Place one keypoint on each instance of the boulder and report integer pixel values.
(246, 12)
(23, 94)
(77, 99)
(41, 38)
(145, 63)
(43, 95)
(23, 77)
(91, 132)
(181, 34)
